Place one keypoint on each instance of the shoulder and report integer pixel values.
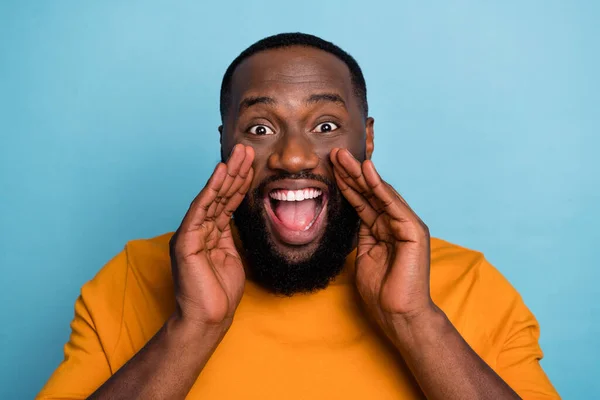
(134, 289)
(454, 266)
(145, 257)
(152, 248)
(478, 299)
(149, 258)
(143, 264)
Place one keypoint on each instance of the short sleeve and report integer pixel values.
(514, 332)
(518, 362)
(86, 365)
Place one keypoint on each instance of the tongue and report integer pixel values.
(296, 215)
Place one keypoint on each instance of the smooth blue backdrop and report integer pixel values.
(486, 121)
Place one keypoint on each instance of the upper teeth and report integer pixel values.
(295, 195)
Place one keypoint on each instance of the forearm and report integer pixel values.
(167, 367)
(443, 363)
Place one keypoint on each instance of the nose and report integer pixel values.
(294, 154)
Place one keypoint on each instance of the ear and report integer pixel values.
(370, 139)
(221, 141)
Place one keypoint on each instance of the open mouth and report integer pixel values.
(296, 213)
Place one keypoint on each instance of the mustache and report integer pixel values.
(301, 175)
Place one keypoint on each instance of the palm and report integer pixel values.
(392, 264)
(208, 271)
(377, 247)
(218, 276)
(379, 250)
(227, 265)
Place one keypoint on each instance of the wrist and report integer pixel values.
(417, 328)
(182, 330)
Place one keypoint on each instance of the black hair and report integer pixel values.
(283, 40)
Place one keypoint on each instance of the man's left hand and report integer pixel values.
(392, 261)
(392, 276)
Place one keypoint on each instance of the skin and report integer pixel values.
(392, 264)
(288, 81)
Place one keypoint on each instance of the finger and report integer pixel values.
(342, 171)
(335, 154)
(212, 209)
(234, 163)
(233, 203)
(392, 203)
(363, 208)
(353, 168)
(240, 179)
(391, 188)
(348, 180)
(350, 170)
(197, 212)
(190, 236)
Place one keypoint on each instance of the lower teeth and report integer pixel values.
(317, 213)
(309, 225)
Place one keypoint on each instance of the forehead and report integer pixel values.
(291, 72)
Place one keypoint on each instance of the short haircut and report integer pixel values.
(284, 40)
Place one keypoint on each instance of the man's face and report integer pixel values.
(293, 106)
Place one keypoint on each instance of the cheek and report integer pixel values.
(227, 145)
(353, 143)
(261, 156)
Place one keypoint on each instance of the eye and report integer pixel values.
(260, 130)
(325, 127)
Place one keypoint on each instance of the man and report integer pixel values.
(327, 286)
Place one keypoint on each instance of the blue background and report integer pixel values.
(486, 121)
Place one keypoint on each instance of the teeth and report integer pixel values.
(295, 195)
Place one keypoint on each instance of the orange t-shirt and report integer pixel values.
(312, 346)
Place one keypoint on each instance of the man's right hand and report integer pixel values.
(209, 282)
(207, 270)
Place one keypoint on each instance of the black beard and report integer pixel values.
(276, 272)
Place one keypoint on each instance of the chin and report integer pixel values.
(296, 234)
(293, 253)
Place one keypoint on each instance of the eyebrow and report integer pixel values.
(251, 101)
(327, 97)
(312, 99)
